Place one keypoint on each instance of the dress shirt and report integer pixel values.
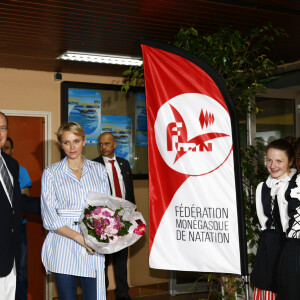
(63, 192)
(108, 166)
(278, 187)
(2, 182)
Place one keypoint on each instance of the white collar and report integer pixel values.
(107, 159)
(275, 184)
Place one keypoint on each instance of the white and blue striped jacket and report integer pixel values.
(62, 199)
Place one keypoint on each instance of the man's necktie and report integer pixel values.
(116, 179)
(6, 178)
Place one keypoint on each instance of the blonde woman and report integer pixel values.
(64, 188)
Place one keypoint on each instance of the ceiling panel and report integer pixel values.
(33, 33)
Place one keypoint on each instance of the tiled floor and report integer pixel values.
(157, 292)
(197, 296)
(161, 297)
(168, 297)
(165, 296)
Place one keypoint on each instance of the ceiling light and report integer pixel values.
(101, 58)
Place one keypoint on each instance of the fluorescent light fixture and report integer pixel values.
(101, 58)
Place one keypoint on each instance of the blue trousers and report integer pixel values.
(67, 286)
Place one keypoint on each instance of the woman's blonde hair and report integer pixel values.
(74, 127)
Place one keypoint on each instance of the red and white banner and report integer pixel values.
(193, 174)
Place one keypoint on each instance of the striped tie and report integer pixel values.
(6, 178)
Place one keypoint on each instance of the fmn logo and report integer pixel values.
(176, 132)
(177, 135)
(193, 134)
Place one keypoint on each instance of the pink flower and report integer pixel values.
(97, 210)
(140, 230)
(117, 227)
(98, 224)
(106, 221)
(110, 230)
(99, 231)
(106, 212)
(97, 217)
(117, 222)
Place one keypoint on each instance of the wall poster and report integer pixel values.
(84, 107)
(141, 135)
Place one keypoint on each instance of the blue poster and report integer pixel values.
(121, 128)
(84, 107)
(141, 135)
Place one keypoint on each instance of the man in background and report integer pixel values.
(121, 185)
(25, 184)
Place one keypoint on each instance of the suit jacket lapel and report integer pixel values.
(3, 194)
(123, 169)
(14, 183)
(101, 160)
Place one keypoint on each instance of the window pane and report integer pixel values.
(275, 118)
(122, 114)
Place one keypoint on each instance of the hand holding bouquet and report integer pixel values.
(110, 224)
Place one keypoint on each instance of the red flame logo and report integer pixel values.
(206, 119)
(177, 134)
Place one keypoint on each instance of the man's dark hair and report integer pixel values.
(11, 142)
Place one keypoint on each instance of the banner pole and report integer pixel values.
(246, 282)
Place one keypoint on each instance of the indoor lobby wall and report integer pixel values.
(38, 91)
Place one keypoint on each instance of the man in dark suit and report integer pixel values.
(10, 218)
(121, 185)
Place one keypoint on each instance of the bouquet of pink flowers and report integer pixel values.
(110, 224)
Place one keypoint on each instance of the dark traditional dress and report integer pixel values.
(265, 272)
(289, 265)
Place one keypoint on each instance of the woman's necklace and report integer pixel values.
(76, 169)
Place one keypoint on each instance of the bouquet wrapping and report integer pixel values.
(110, 224)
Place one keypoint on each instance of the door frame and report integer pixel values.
(47, 160)
(46, 115)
